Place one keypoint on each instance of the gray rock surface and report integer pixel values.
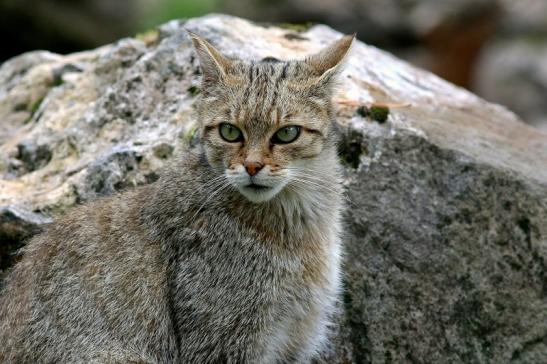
(446, 221)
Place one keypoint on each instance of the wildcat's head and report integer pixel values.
(267, 125)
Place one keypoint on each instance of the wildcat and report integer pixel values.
(232, 256)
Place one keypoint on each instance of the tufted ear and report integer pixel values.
(213, 64)
(325, 63)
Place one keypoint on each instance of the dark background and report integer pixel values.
(496, 48)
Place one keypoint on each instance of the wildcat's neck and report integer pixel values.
(299, 208)
(290, 216)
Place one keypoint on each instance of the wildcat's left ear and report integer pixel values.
(325, 64)
(213, 64)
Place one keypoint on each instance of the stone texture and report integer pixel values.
(446, 221)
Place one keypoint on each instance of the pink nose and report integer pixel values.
(253, 167)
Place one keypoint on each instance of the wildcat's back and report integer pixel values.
(233, 255)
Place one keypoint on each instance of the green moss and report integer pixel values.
(379, 113)
(193, 90)
(296, 27)
(375, 112)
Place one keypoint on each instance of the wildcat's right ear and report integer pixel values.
(325, 64)
(213, 64)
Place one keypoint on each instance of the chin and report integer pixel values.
(260, 195)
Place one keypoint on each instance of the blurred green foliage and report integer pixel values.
(165, 10)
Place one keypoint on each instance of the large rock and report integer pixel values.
(446, 221)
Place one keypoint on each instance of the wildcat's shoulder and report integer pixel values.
(111, 227)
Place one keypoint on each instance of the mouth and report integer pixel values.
(255, 187)
(259, 193)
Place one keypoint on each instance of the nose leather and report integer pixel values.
(253, 167)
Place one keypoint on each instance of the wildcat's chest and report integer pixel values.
(302, 317)
(243, 290)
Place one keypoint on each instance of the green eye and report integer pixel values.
(286, 135)
(230, 133)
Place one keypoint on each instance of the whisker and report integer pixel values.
(308, 183)
(313, 182)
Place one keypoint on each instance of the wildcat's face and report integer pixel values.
(257, 128)
(262, 123)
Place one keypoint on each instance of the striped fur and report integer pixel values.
(192, 269)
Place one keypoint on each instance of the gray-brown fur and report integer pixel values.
(188, 269)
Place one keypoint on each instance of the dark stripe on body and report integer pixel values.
(284, 72)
